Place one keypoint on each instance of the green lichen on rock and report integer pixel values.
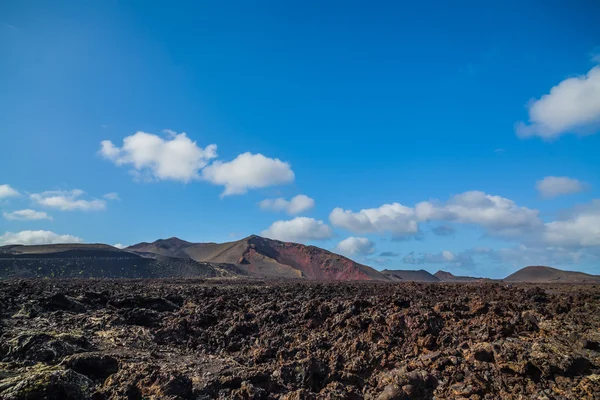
(49, 384)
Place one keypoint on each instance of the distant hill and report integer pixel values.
(542, 274)
(445, 276)
(100, 261)
(166, 247)
(263, 257)
(253, 256)
(19, 249)
(401, 275)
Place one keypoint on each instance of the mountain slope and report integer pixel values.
(100, 261)
(264, 257)
(541, 274)
(449, 277)
(166, 247)
(407, 275)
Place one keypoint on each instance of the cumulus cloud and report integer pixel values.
(295, 205)
(6, 191)
(299, 229)
(552, 186)
(572, 106)
(26, 215)
(248, 171)
(394, 218)
(355, 246)
(112, 196)
(37, 237)
(388, 254)
(496, 214)
(67, 200)
(444, 230)
(580, 228)
(176, 157)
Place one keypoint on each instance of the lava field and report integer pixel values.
(205, 339)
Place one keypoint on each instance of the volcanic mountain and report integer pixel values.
(165, 247)
(449, 277)
(264, 257)
(100, 261)
(405, 275)
(542, 274)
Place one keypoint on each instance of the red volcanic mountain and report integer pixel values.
(264, 257)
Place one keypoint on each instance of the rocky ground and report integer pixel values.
(103, 339)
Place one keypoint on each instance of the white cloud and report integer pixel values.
(552, 186)
(112, 196)
(175, 158)
(496, 214)
(295, 205)
(395, 218)
(26, 215)
(299, 229)
(248, 171)
(37, 237)
(67, 200)
(7, 191)
(119, 245)
(355, 245)
(572, 106)
(580, 229)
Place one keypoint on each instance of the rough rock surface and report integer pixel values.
(108, 339)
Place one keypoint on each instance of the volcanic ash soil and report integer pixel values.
(247, 340)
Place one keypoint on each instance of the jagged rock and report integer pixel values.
(62, 302)
(96, 366)
(47, 385)
(288, 340)
(393, 392)
(591, 345)
(139, 316)
(45, 347)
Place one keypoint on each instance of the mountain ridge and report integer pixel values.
(544, 274)
(446, 276)
(407, 275)
(252, 256)
(264, 257)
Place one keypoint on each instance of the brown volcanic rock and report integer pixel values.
(300, 340)
(407, 275)
(539, 274)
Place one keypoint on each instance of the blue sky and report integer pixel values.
(457, 114)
